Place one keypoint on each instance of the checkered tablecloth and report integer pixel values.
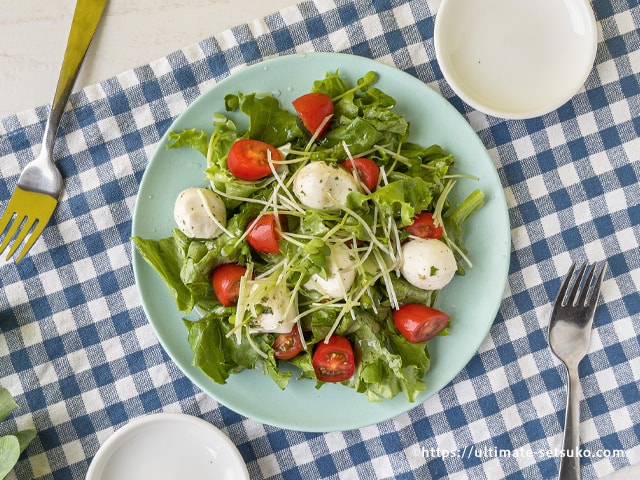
(81, 359)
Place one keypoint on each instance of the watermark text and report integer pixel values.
(470, 451)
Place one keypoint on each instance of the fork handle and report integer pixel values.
(85, 21)
(570, 458)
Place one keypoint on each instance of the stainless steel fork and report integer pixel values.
(40, 184)
(569, 339)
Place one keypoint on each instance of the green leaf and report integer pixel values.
(185, 264)
(7, 403)
(167, 258)
(470, 205)
(359, 135)
(268, 121)
(401, 199)
(388, 363)
(9, 454)
(332, 85)
(303, 362)
(407, 293)
(25, 437)
(196, 139)
(218, 356)
(336, 87)
(206, 338)
(11, 445)
(231, 102)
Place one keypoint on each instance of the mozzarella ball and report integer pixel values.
(276, 318)
(323, 187)
(340, 273)
(199, 212)
(427, 263)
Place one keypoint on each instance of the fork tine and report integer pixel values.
(24, 219)
(6, 218)
(574, 295)
(27, 226)
(582, 297)
(35, 234)
(565, 284)
(9, 222)
(11, 231)
(596, 287)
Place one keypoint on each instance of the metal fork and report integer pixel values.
(40, 184)
(569, 339)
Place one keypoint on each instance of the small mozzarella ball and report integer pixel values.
(199, 213)
(427, 263)
(323, 187)
(340, 273)
(276, 318)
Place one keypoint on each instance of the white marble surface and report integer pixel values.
(33, 35)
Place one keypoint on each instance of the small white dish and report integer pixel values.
(515, 58)
(168, 446)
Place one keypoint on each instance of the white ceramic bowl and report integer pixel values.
(515, 58)
(168, 446)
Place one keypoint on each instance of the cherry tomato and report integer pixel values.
(419, 323)
(263, 235)
(424, 226)
(287, 345)
(334, 361)
(313, 108)
(367, 170)
(248, 159)
(225, 280)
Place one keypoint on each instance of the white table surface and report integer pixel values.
(33, 34)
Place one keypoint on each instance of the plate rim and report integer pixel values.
(309, 426)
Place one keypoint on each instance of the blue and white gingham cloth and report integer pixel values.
(81, 359)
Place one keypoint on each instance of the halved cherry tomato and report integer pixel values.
(424, 226)
(419, 323)
(248, 159)
(366, 169)
(313, 108)
(287, 345)
(225, 280)
(334, 361)
(263, 235)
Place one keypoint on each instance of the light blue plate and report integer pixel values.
(472, 300)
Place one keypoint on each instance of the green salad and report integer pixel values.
(319, 244)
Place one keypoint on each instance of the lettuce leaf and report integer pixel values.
(166, 257)
(268, 121)
(192, 138)
(389, 364)
(185, 264)
(402, 199)
(219, 356)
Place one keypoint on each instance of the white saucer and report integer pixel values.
(168, 446)
(515, 58)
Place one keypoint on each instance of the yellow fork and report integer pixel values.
(40, 184)
(25, 217)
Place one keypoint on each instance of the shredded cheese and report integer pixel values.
(241, 306)
(316, 134)
(253, 344)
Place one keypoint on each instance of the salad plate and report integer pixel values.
(472, 300)
(168, 446)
